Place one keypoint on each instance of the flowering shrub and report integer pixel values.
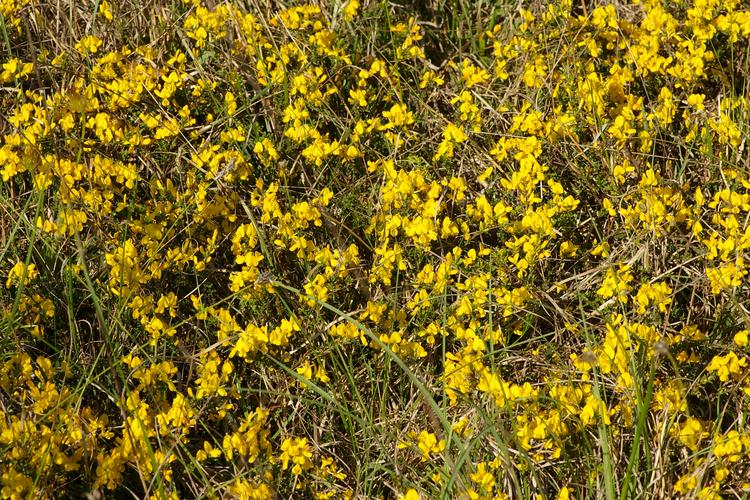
(357, 249)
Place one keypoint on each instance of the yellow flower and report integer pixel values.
(726, 276)
(594, 408)
(483, 477)
(429, 444)
(296, 451)
(602, 249)
(740, 338)
(105, 10)
(231, 103)
(568, 249)
(472, 75)
(691, 433)
(350, 9)
(88, 45)
(616, 284)
(657, 294)
(398, 116)
(730, 446)
(358, 96)
(410, 494)
(726, 366)
(21, 274)
(452, 135)
(15, 68)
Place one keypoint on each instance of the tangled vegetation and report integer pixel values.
(370, 249)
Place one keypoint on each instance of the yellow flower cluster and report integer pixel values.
(335, 250)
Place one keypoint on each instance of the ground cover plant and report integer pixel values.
(369, 249)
